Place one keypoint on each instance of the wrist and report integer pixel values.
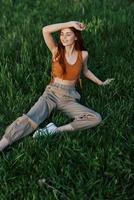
(100, 83)
(71, 23)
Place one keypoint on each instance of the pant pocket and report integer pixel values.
(21, 127)
(76, 95)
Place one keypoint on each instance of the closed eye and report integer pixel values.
(68, 34)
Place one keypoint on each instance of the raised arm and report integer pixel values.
(49, 29)
(47, 34)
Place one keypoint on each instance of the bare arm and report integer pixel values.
(88, 74)
(49, 29)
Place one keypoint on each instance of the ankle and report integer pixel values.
(66, 127)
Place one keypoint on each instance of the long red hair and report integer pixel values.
(79, 45)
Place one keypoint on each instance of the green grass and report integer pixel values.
(95, 164)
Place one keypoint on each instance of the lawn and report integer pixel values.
(94, 164)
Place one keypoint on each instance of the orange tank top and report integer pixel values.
(72, 70)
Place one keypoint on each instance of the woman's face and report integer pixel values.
(67, 37)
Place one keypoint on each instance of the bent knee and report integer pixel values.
(94, 118)
(98, 118)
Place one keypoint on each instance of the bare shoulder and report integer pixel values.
(84, 55)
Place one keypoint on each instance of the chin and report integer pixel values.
(65, 45)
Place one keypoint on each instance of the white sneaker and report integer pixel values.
(48, 130)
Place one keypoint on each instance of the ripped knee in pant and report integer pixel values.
(19, 128)
(83, 116)
(89, 117)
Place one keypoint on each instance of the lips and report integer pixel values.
(64, 41)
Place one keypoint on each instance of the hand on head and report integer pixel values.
(78, 25)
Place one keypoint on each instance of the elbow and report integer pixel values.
(44, 29)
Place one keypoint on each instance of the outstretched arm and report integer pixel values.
(88, 74)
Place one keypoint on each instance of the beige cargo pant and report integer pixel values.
(55, 96)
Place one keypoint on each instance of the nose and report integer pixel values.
(64, 37)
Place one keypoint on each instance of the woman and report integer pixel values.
(69, 59)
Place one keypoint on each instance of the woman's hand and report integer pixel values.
(107, 82)
(78, 25)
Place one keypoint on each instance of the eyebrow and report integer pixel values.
(66, 32)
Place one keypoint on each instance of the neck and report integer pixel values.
(69, 50)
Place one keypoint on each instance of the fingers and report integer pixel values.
(108, 81)
(79, 26)
(82, 26)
